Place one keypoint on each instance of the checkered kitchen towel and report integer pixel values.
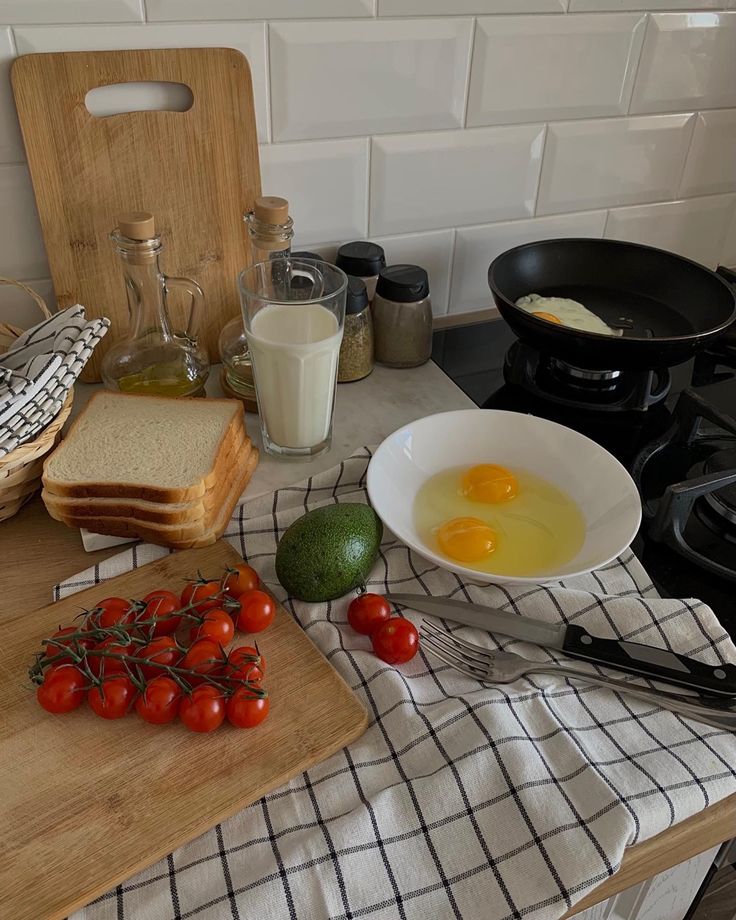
(459, 800)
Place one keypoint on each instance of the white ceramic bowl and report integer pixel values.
(603, 490)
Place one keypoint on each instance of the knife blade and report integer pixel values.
(576, 642)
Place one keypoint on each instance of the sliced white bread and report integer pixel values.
(174, 536)
(144, 447)
(171, 513)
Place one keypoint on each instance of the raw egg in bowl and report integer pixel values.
(503, 497)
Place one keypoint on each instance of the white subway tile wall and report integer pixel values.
(448, 130)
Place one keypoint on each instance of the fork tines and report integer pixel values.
(465, 657)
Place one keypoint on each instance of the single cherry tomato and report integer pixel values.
(62, 689)
(113, 611)
(113, 698)
(216, 625)
(101, 665)
(159, 703)
(205, 657)
(202, 595)
(53, 651)
(162, 650)
(396, 641)
(204, 710)
(161, 606)
(257, 611)
(252, 673)
(367, 612)
(245, 710)
(239, 579)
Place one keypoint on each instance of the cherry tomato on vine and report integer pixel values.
(161, 605)
(53, 650)
(202, 595)
(204, 710)
(62, 689)
(242, 656)
(160, 701)
(396, 641)
(367, 612)
(216, 625)
(162, 650)
(245, 710)
(101, 665)
(206, 658)
(239, 579)
(112, 611)
(257, 611)
(113, 698)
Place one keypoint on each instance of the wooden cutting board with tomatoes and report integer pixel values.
(87, 802)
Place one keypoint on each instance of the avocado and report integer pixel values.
(329, 551)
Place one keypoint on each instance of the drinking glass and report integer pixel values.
(293, 313)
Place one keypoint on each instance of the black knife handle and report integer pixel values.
(654, 663)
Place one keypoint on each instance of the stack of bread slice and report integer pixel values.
(168, 471)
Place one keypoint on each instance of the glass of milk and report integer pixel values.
(293, 312)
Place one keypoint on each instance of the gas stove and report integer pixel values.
(674, 430)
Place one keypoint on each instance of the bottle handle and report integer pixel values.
(196, 309)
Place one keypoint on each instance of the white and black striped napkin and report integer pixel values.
(40, 369)
(459, 801)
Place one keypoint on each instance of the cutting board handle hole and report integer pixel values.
(150, 96)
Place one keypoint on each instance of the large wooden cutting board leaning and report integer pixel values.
(197, 171)
(86, 803)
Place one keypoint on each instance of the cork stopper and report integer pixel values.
(137, 225)
(271, 210)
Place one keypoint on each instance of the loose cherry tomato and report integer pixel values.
(162, 650)
(159, 703)
(257, 611)
(204, 710)
(396, 641)
(101, 665)
(216, 625)
(62, 689)
(245, 710)
(202, 595)
(239, 579)
(113, 698)
(160, 606)
(53, 651)
(367, 612)
(205, 657)
(113, 611)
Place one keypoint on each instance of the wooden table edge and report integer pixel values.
(63, 556)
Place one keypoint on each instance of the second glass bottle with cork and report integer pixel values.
(270, 232)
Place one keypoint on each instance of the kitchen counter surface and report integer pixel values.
(37, 551)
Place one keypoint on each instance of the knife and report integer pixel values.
(576, 642)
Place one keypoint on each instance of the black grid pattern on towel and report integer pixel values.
(459, 801)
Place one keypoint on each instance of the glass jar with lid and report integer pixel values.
(363, 260)
(356, 350)
(402, 317)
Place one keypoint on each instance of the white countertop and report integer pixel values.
(365, 413)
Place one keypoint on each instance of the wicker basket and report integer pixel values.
(20, 470)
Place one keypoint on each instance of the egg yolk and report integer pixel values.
(550, 317)
(489, 483)
(466, 539)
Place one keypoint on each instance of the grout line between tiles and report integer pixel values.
(468, 72)
(144, 9)
(539, 174)
(691, 140)
(369, 174)
(638, 63)
(451, 270)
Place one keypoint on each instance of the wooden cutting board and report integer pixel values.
(197, 171)
(87, 803)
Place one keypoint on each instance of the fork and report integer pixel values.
(494, 667)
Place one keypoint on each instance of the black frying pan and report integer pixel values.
(670, 307)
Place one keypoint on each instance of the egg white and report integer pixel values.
(569, 312)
